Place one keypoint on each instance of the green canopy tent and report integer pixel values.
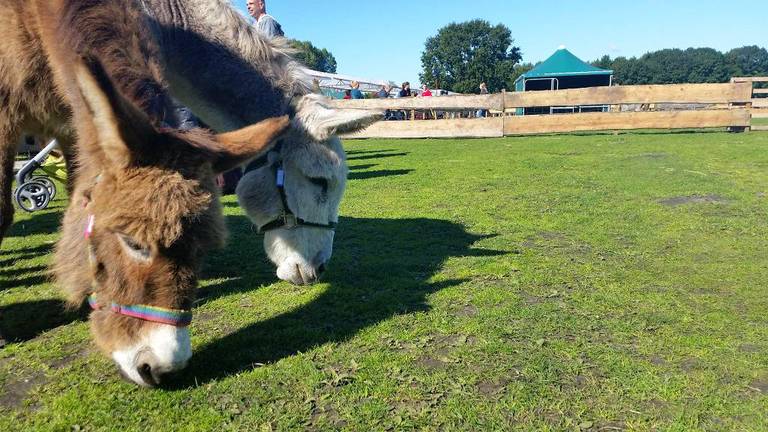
(563, 70)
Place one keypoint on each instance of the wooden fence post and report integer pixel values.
(503, 109)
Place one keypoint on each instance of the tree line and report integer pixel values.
(692, 65)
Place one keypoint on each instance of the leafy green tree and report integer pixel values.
(748, 61)
(707, 65)
(518, 70)
(463, 55)
(630, 71)
(693, 65)
(604, 62)
(314, 58)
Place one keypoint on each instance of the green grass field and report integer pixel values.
(760, 122)
(599, 282)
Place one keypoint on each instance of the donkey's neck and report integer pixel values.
(218, 65)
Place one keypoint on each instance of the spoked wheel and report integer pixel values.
(32, 196)
(51, 186)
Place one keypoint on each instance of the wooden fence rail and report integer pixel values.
(700, 106)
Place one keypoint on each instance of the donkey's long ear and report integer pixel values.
(239, 146)
(121, 129)
(322, 122)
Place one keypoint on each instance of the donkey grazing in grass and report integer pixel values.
(137, 256)
(218, 65)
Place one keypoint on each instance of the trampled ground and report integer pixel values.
(602, 283)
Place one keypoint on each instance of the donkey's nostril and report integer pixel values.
(145, 372)
(320, 269)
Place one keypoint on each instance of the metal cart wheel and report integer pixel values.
(49, 184)
(32, 196)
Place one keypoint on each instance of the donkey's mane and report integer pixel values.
(273, 57)
(104, 33)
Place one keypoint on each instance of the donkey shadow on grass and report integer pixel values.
(368, 151)
(46, 221)
(20, 322)
(367, 156)
(380, 268)
(367, 175)
(25, 321)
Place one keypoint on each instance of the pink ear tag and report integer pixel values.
(89, 226)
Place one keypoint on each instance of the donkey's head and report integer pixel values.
(146, 210)
(293, 194)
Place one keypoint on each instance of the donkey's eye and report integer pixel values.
(319, 181)
(135, 250)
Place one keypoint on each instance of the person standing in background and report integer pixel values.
(266, 24)
(483, 91)
(356, 93)
(405, 91)
(383, 92)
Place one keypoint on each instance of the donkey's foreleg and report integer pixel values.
(67, 147)
(8, 145)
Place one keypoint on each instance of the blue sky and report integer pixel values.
(384, 39)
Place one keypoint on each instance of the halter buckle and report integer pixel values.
(290, 221)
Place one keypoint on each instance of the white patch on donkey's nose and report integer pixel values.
(168, 347)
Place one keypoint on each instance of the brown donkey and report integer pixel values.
(144, 208)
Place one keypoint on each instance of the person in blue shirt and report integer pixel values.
(266, 24)
(383, 92)
(356, 93)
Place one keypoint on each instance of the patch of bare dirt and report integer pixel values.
(552, 240)
(453, 340)
(575, 383)
(610, 425)
(760, 386)
(428, 362)
(694, 199)
(749, 348)
(80, 353)
(659, 155)
(467, 311)
(580, 381)
(321, 415)
(492, 388)
(656, 408)
(531, 300)
(545, 238)
(16, 390)
(690, 364)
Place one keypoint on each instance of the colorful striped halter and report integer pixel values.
(174, 317)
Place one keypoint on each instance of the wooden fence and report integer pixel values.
(759, 98)
(630, 107)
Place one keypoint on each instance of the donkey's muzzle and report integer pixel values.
(163, 350)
